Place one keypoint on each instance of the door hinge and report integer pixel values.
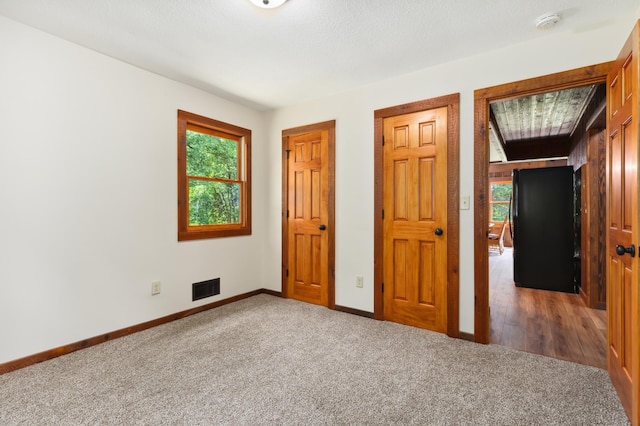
(382, 140)
(383, 213)
(287, 213)
(383, 287)
(287, 151)
(286, 272)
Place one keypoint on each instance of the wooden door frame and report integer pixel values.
(594, 74)
(452, 102)
(330, 127)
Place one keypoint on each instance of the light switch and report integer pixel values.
(464, 202)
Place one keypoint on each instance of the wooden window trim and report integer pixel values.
(228, 131)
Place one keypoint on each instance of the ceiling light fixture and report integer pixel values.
(268, 4)
(547, 21)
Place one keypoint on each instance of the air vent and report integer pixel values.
(205, 289)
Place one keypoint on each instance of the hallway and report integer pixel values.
(553, 324)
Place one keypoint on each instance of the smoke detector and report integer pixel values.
(547, 21)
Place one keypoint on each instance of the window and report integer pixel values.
(214, 178)
(500, 200)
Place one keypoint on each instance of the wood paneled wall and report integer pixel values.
(593, 242)
(504, 170)
(588, 153)
(592, 118)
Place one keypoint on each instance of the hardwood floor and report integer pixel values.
(549, 323)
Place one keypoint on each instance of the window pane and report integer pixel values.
(499, 211)
(211, 156)
(213, 203)
(500, 191)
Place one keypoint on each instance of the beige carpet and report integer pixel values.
(266, 360)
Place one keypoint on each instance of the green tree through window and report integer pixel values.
(499, 203)
(212, 171)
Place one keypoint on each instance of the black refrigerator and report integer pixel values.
(543, 233)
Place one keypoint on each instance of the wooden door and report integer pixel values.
(622, 226)
(415, 219)
(308, 214)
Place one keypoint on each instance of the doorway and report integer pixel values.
(596, 74)
(539, 136)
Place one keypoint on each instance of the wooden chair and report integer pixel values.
(496, 241)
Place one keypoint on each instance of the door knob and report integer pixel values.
(322, 227)
(621, 250)
(438, 231)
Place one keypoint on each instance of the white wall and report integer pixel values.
(353, 112)
(88, 182)
(88, 194)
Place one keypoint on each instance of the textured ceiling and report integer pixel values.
(539, 117)
(305, 49)
(544, 115)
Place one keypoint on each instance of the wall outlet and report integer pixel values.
(359, 281)
(155, 288)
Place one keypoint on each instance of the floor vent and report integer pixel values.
(205, 289)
